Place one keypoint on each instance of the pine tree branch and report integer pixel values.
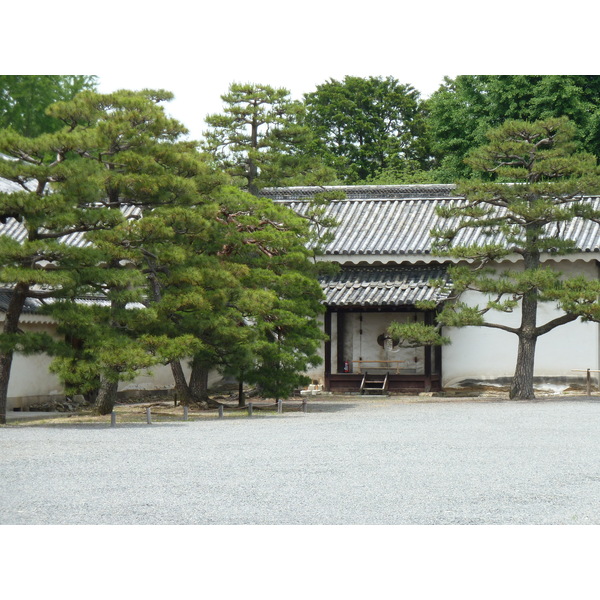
(67, 232)
(498, 326)
(563, 320)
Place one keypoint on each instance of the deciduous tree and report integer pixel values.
(365, 126)
(25, 98)
(464, 108)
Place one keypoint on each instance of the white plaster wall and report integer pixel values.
(30, 377)
(317, 374)
(158, 377)
(482, 353)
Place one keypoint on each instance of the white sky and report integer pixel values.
(197, 50)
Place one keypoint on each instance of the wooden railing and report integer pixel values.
(385, 364)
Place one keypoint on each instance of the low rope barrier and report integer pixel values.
(250, 407)
(588, 378)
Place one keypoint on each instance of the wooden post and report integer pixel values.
(589, 383)
(327, 347)
(149, 415)
(185, 413)
(341, 334)
(249, 409)
(113, 419)
(241, 398)
(220, 411)
(588, 378)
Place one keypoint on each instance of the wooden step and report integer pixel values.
(374, 383)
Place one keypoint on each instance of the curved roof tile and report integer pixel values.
(397, 220)
(384, 286)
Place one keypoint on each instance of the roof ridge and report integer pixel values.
(373, 192)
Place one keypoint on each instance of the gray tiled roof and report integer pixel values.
(11, 187)
(32, 305)
(384, 286)
(397, 220)
(16, 231)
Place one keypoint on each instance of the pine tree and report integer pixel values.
(260, 141)
(226, 280)
(283, 298)
(181, 265)
(535, 183)
(116, 158)
(50, 202)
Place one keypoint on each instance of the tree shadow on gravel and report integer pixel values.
(329, 408)
(88, 426)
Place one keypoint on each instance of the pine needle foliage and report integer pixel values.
(534, 182)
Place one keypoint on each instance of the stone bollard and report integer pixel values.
(149, 416)
(279, 406)
(250, 409)
(221, 411)
(185, 413)
(304, 405)
(113, 419)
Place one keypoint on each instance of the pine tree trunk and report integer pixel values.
(199, 382)
(184, 395)
(241, 397)
(11, 326)
(181, 385)
(5, 366)
(252, 171)
(107, 396)
(522, 383)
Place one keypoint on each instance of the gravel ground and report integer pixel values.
(348, 461)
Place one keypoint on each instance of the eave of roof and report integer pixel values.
(385, 286)
(33, 306)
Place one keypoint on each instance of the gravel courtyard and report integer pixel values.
(347, 461)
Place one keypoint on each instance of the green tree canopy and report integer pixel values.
(116, 157)
(25, 98)
(223, 273)
(463, 109)
(258, 139)
(181, 265)
(365, 126)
